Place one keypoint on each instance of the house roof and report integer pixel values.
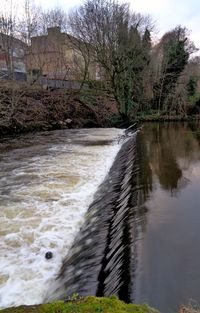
(15, 40)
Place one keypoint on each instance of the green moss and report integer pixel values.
(85, 305)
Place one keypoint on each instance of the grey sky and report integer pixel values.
(166, 13)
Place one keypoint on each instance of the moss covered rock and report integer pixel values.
(85, 305)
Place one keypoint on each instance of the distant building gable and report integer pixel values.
(56, 55)
(12, 54)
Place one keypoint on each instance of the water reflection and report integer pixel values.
(145, 172)
(195, 128)
(169, 145)
(168, 258)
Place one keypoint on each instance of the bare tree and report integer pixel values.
(113, 35)
(81, 43)
(28, 25)
(52, 18)
(7, 32)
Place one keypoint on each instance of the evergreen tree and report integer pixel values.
(174, 59)
(146, 45)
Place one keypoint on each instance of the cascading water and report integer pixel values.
(47, 182)
(140, 235)
(101, 260)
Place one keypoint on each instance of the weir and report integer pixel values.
(104, 254)
(47, 183)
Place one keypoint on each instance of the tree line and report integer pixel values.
(142, 75)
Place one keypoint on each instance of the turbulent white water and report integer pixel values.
(46, 185)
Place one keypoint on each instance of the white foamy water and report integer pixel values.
(46, 185)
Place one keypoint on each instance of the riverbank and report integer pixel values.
(163, 117)
(83, 305)
(26, 108)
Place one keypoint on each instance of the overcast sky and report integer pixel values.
(166, 13)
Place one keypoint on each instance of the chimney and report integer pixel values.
(54, 31)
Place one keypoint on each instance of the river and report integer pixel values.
(139, 241)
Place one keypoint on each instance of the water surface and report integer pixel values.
(168, 247)
(47, 181)
(140, 239)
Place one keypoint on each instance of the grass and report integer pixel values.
(85, 305)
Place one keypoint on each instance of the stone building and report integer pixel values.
(56, 57)
(12, 61)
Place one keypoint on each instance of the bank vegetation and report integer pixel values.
(147, 79)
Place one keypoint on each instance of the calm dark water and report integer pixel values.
(168, 245)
